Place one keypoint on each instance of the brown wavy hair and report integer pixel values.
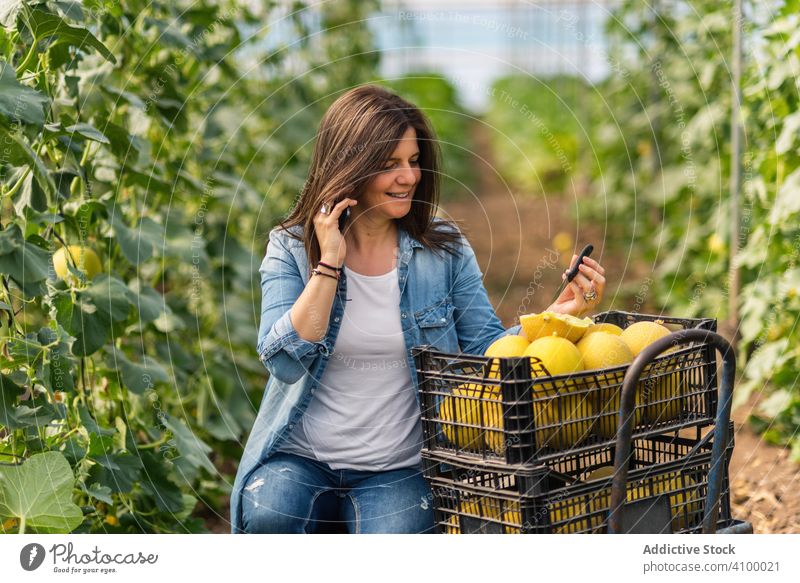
(356, 136)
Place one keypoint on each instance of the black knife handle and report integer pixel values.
(573, 271)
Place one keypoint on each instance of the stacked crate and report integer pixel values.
(510, 449)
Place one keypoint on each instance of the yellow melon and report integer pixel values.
(565, 419)
(461, 417)
(684, 499)
(512, 516)
(665, 402)
(642, 334)
(604, 327)
(481, 508)
(655, 392)
(600, 473)
(565, 517)
(493, 418)
(546, 324)
(84, 259)
(452, 525)
(506, 346)
(605, 350)
(558, 355)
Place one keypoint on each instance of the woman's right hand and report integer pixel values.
(330, 238)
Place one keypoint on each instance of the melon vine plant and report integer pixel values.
(146, 148)
(663, 172)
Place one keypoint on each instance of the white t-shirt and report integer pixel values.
(364, 415)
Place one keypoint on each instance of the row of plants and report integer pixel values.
(663, 171)
(541, 129)
(146, 149)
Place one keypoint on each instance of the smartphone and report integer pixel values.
(343, 218)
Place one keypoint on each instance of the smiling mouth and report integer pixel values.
(398, 194)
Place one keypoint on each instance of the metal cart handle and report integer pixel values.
(623, 444)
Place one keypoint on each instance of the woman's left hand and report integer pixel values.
(573, 300)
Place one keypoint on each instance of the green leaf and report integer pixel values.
(88, 131)
(98, 492)
(63, 304)
(191, 447)
(136, 244)
(109, 294)
(767, 359)
(73, 450)
(9, 393)
(169, 322)
(38, 417)
(30, 195)
(90, 424)
(125, 96)
(28, 264)
(223, 426)
(71, 9)
(791, 126)
(38, 494)
(137, 377)
(776, 403)
(18, 153)
(9, 10)
(118, 480)
(787, 201)
(123, 144)
(189, 503)
(60, 360)
(90, 327)
(150, 304)
(18, 102)
(165, 492)
(44, 25)
(26, 349)
(100, 446)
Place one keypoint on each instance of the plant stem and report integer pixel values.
(82, 392)
(24, 64)
(10, 303)
(154, 444)
(13, 190)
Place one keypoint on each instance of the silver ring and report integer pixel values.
(324, 208)
(590, 296)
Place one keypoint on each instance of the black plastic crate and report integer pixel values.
(667, 483)
(511, 410)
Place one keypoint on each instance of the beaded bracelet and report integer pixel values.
(316, 271)
(337, 269)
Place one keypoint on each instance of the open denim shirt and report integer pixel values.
(442, 303)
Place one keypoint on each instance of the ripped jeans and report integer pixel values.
(293, 494)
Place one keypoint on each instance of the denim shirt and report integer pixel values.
(442, 303)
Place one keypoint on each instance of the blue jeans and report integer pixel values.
(293, 494)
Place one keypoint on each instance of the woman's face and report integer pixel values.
(389, 193)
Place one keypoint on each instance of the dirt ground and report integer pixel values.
(765, 483)
(512, 233)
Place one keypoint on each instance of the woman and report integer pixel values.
(338, 435)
